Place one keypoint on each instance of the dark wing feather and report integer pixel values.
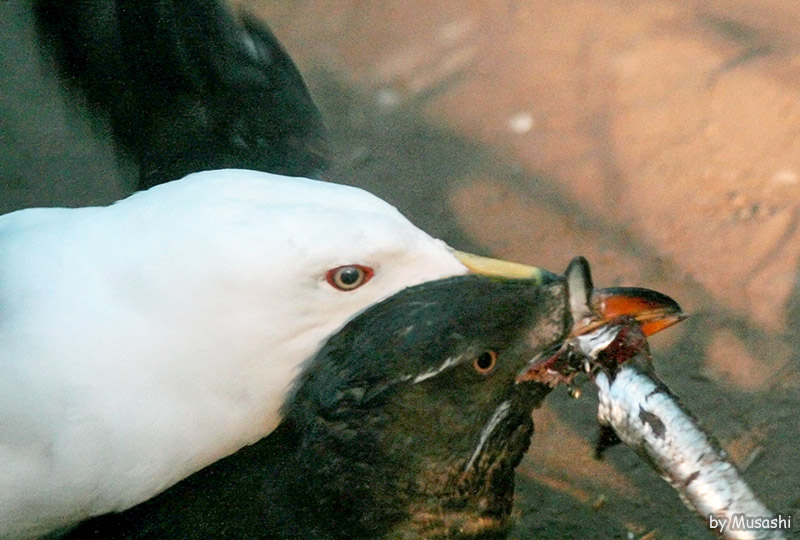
(188, 85)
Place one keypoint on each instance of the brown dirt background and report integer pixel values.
(659, 139)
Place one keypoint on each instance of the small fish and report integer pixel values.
(645, 415)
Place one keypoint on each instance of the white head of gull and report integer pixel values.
(142, 341)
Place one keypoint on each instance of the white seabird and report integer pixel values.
(142, 341)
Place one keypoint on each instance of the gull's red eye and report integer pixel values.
(349, 276)
(485, 362)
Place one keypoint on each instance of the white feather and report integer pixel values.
(142, 341)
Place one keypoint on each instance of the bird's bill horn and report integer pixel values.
(505, 269)
(592, 308)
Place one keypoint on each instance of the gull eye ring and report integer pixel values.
(485, 362)
(349, 276)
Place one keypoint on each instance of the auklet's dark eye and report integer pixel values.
(349, 277)
(485, 362)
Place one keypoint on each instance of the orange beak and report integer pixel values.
(652, 310)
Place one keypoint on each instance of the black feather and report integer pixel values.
(188, 86)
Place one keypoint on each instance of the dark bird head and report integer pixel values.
(416, 414)
(412, 417)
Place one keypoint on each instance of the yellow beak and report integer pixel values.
(505, 269)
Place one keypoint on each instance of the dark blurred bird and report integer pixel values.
(409, 423)
(187, 85)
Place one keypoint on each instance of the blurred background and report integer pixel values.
(659, 139)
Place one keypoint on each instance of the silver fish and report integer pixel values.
(649, 418)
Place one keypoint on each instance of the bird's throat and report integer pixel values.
(449, 503)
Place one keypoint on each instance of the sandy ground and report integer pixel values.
(659, 139)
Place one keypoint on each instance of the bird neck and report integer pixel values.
(365, 486)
